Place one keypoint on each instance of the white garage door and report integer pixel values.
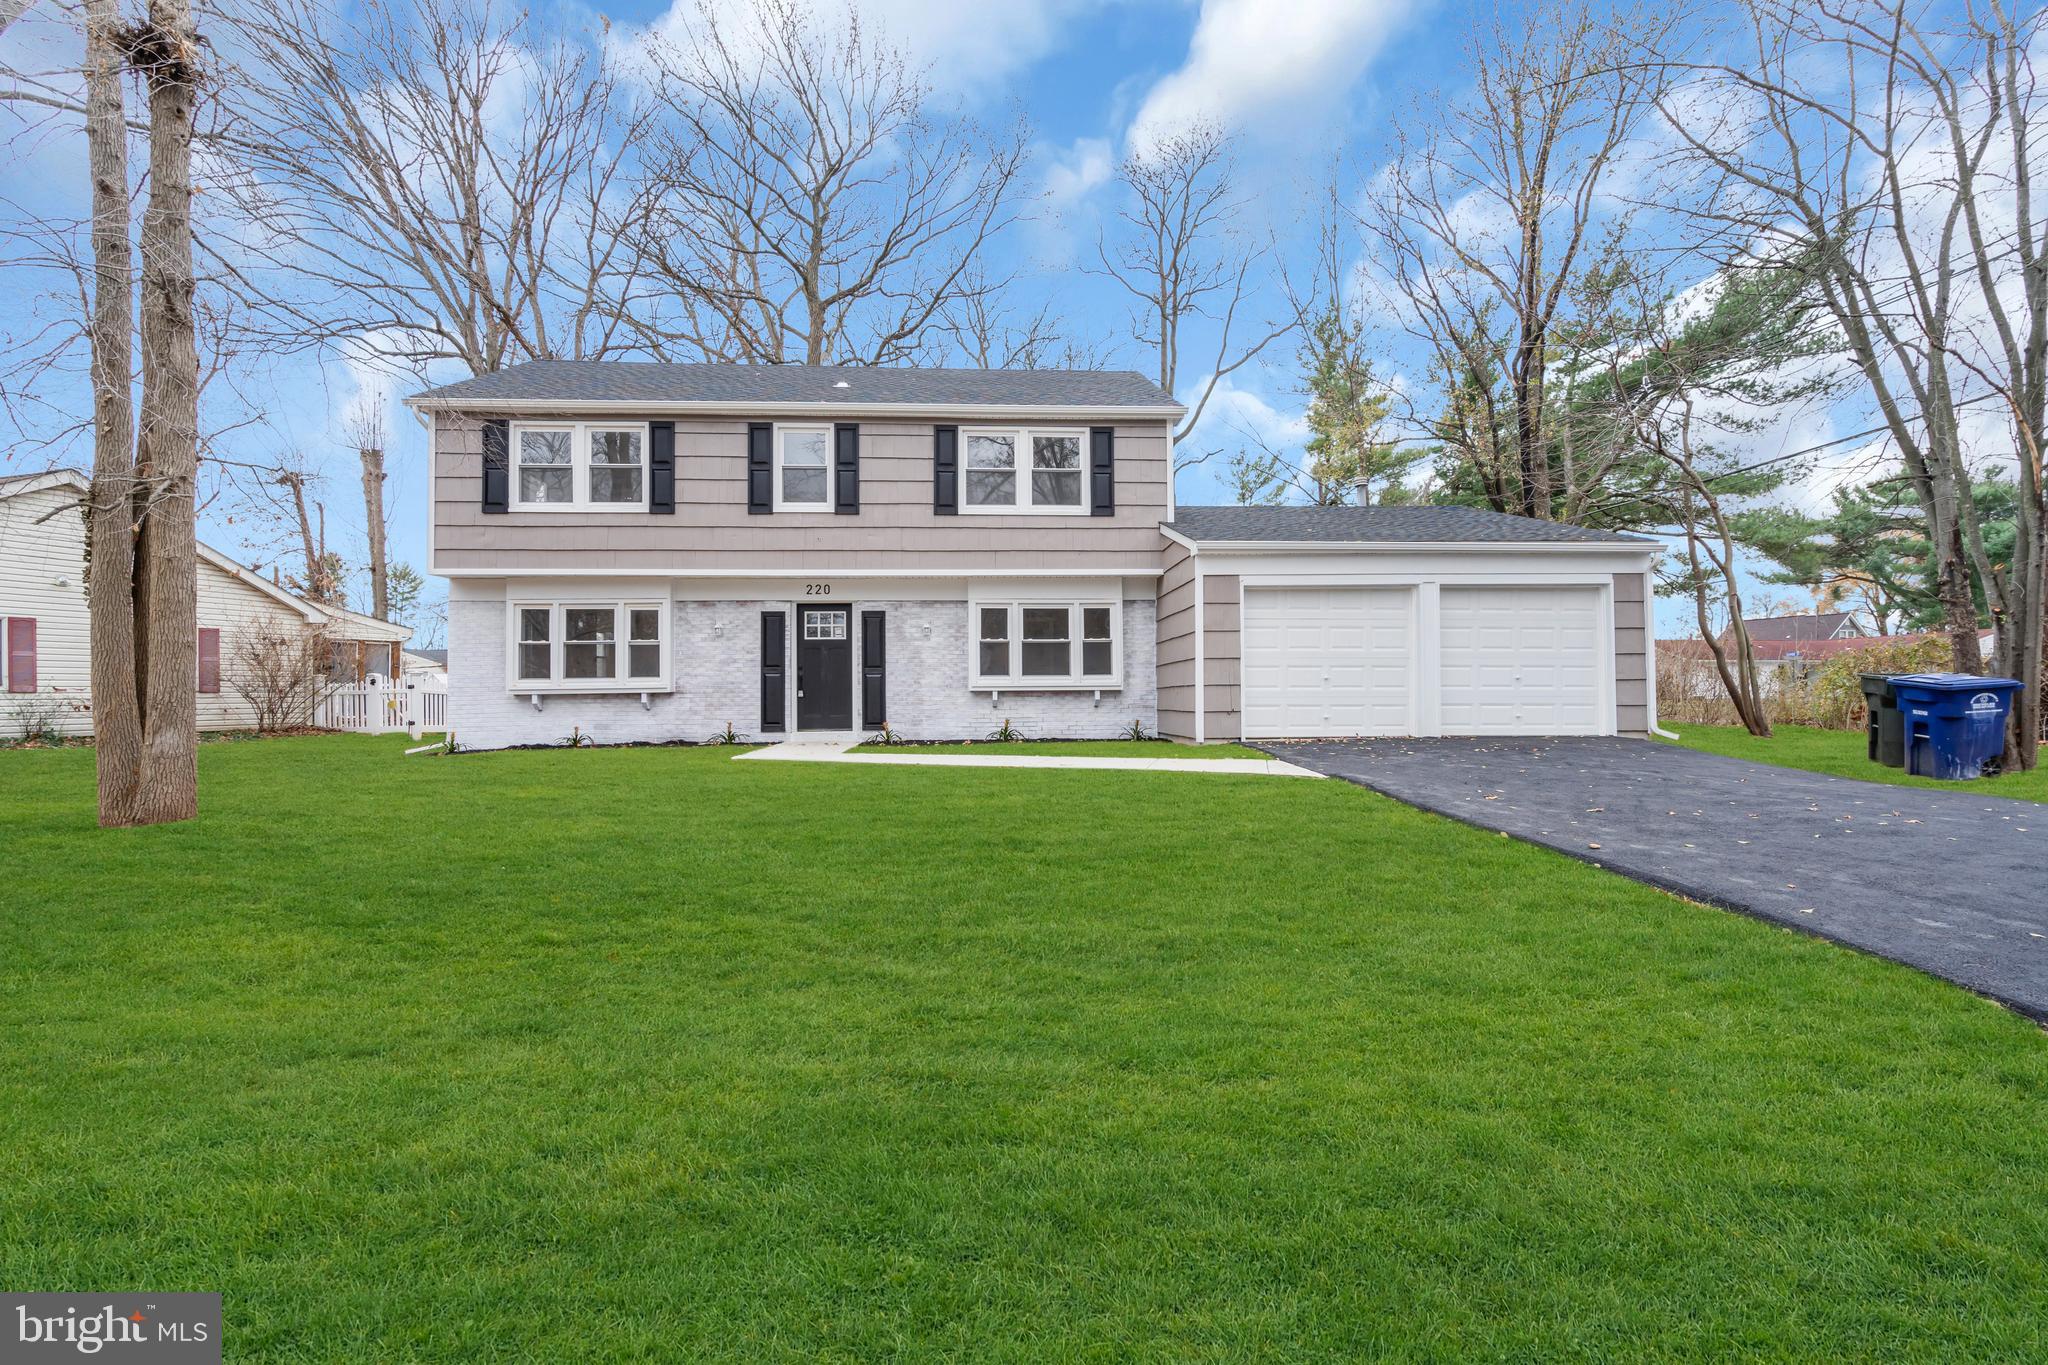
(1523, 661)
(1321, 662)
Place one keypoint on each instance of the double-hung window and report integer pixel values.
(1021, 646)
(589, 647)
(1023, 470)
(579, 466)
(803, 469)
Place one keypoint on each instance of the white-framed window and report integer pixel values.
(825, 625)
(579, 466)
(1027, 646)
(803, 468)
(1024, 469)
(588, 647)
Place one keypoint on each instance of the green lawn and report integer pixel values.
(1075, 748)
(613, 1055)
(1843, 754)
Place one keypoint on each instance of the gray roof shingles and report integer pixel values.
(1365, 525)
(622, 381)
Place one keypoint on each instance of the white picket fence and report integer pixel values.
(378, 706)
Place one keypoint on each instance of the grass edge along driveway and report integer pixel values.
(1842, 753)
(630, 1054)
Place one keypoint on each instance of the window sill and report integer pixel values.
(1045, 685)
(969, 510)
(577, 507)
(607, 688)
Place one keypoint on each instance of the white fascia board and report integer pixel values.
(1179, 539)
(823, 412)
(1388, 547)
(799, 575)
(22, 485)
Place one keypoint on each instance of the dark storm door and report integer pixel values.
(824, 668)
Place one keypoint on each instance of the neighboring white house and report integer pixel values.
(45, 666)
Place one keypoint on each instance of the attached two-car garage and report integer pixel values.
(1400, 621)
(1352, 660)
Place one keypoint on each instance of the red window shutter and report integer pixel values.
(21, 654)
(209, 660)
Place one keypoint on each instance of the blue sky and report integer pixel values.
(1300, 82)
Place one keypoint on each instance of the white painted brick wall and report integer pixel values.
(927, 682)
(717, 672)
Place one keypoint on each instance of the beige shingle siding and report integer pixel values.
(1177, 642)
(896, 530)
(1222, 611)
(1631, 654)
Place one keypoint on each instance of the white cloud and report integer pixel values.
(1252, 61)
(1075, 172)
(971, 51)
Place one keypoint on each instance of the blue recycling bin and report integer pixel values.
(1954, 722)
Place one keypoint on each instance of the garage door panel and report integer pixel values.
(1522, 660)
(1328, 661)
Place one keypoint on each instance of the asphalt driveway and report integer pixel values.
(1950, 882)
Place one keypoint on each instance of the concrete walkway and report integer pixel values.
(801, 751)
(1947, 880)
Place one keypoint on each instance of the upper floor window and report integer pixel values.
(578, 466)
(803, 469)
(1028, 470)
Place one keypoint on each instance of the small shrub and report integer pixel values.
(888, 738)
(1136, 731)
(33, 719)
(577, 738)
(1006, 733)
(728, 736)
(1838, 687)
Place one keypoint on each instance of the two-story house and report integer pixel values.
(651, 552)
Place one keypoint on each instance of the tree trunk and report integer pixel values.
(373, 514)
(110, 532)
(165, 50)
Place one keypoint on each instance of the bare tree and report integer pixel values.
(1485, 224)
(281, 671)
(800, 201)
(366, 433)
(117, 705)
(1890, 165)
(144, 543)
(986, 329)
(436, 182)
(1181, 257)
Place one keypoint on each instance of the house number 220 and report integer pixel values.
(817, 589)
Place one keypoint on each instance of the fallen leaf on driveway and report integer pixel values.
(1592, 845)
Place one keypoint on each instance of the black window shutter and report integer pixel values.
(872, 698)
(497, 466)
(945, 469)
(772, 652)
(760, 467)
(661, 467)
(1102, 471)
(846, 468)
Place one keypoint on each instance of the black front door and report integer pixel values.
(824, 669)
